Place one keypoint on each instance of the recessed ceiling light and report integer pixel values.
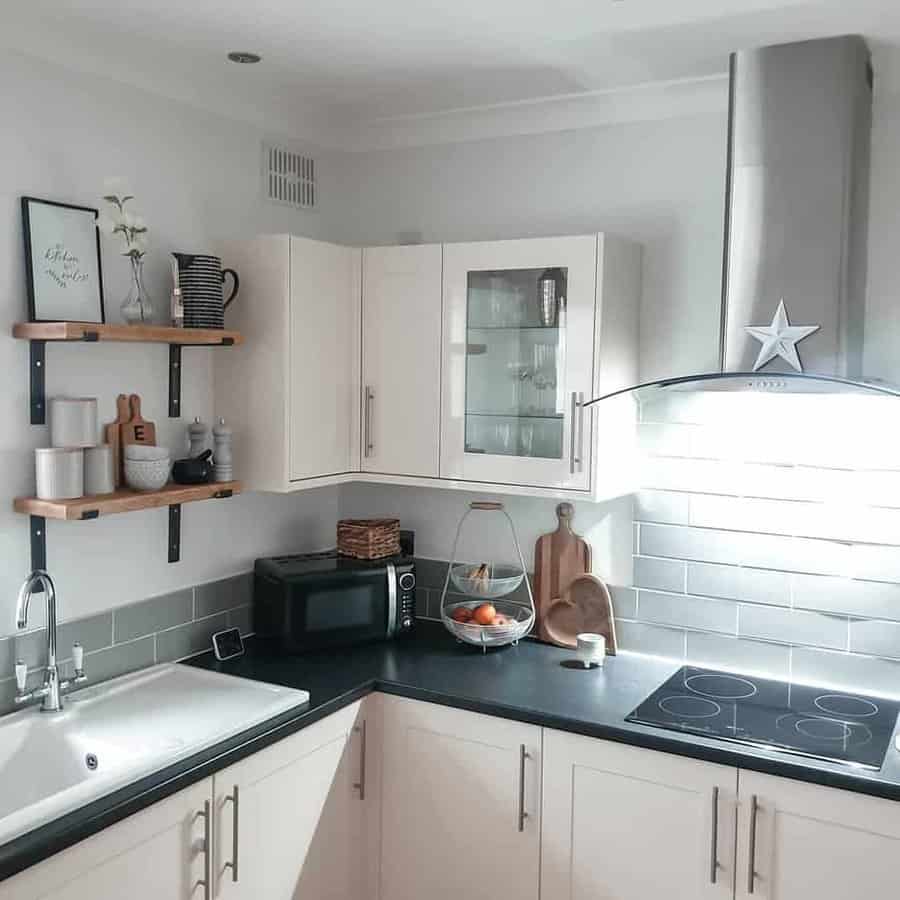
(241, 56)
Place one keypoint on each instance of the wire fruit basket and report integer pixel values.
(484, 618)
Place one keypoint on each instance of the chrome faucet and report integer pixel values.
(51, 691)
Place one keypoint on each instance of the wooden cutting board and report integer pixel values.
(586, 605)
(137, 430)
(113, 434)
(559, 558)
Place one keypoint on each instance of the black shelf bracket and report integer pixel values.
(174, 381)
(37, 365)
(174, 532)
(38, 529)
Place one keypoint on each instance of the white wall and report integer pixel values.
(196, 179)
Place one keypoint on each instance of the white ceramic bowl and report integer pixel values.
(147, 474)
(145, 451)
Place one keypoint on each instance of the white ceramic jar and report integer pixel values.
(99, 476)
(73, 421)
(59, 473)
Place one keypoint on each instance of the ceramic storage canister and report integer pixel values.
(73, 421)
(59, 473)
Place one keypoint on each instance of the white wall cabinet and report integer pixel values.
(401, 360)
(814, 842)
(290, 392)
(430, 364)
(511, 377)
(159, 852)
(461, 812)
(633, 824)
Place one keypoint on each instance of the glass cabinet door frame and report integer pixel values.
(577, 255)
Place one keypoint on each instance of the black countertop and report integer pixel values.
(530, 683)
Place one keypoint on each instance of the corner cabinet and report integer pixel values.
(514, 374)
(290, 392)
(434, 364)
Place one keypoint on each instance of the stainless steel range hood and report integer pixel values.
(797, 208)
(796, 223)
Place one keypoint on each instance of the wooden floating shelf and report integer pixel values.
(124, 501)
(146, 334)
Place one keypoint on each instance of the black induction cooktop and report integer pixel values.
(814, 722)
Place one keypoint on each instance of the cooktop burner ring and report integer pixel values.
(818, 731)
(710, 707)
(725, 687)
(826, 703)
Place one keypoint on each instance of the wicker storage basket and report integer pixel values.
(368, 538)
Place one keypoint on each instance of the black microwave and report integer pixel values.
(320, 600)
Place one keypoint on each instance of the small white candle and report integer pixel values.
(591, 649)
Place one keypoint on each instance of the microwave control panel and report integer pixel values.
(407, 584)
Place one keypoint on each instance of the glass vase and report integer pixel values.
(137, 308)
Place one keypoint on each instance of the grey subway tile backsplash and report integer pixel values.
(102, 665)
(688, 612)
(718, 651)
(875, 638)
(847, 671)
(653, 639)
(793, 626)
(150, 616)
(871, 599)
(222, 595)
(430, 573)
(92, 633)
(176, 643)
(624, 600)
(659, 574)
(128, 638)
(758, 502)
(241, 618)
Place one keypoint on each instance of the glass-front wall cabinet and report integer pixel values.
(519, 325)
(515, 362)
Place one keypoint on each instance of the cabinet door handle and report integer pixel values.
(751, 850)
(206, 881)
(714, 838)
(523, 815)
(361, 784)
(367, 418)
(233, 865)
(576, 433)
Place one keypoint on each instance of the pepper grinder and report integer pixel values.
(223, 469)
(197, 434)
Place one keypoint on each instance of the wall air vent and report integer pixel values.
(290, 177)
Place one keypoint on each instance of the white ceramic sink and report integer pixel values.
(133, 726)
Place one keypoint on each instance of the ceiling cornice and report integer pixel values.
(640, 103)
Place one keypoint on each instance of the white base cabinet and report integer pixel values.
(814, 843)
(632, 824)
(157, 853)
(396, 799)
(291, 819)
(461, 811)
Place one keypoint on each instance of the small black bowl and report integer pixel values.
(193, 470)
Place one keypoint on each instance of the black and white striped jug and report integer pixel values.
(201, 279)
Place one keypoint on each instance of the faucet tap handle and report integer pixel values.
(21, 676)
(78, 658)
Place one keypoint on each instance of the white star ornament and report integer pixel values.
(779, 339)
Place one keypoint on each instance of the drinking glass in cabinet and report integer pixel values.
(515, 359)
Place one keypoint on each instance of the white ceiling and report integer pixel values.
(331, 64)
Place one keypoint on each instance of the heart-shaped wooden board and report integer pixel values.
(586, 606)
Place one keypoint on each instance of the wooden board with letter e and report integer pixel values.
(137, 430)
